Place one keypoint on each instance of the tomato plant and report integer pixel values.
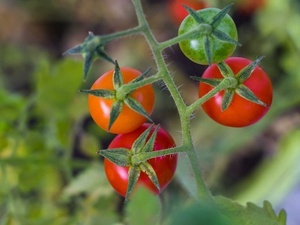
(164, 166)
(213, 44)
(128, 119)
(178, 12)
(241, 112)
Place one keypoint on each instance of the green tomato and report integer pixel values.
(219, 41)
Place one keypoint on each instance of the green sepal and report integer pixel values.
(225, 70)
(141, 77)
(207, 49)
(246, 93)
(211, 81)
(139, 143)
(115, 112)
(150, 143)
(107, 94)
(282, 217)
(227, 98)
(91, 49)
(133, 176)
(119, 156)
(246, 72)
(148, 169)
(194, 14)
(218, 18)
(136, 106)
(224, 37)
(117, 77)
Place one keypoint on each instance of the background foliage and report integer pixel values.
(49, 172)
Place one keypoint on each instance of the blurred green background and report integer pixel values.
(49, 170)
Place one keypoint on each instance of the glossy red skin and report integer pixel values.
(128, 119)
(164, 166)
(241, 112)
(178, 12)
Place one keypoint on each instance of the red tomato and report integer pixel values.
(164, 166)
(178, 12)
(128, 119)
(241, 112)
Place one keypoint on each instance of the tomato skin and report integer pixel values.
(241, 112)
(128, 119)
(178, 12)
(194, 48)
(164, 166)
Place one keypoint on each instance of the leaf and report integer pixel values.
(117, 77)
(210, 81)
(225, 70)
(207, 49)
(246, 72)
(218, 18)
(194, 14)
(107, 94)
(227, 98)
(246, 93)
(249, 215)
(143, 208)
(150, 144)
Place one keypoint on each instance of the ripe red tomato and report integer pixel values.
(164, 166)
(128, 119)
(241, 112)
(178, 12)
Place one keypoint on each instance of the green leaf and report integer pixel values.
(133, 176)
(227, 98)
(117, 77)
(246, 93)
(246, 72)
(136, 106)
(150, 144)
(250, 215)
(194, 14)
(218, 18)
(115, 112)
(139, 143)
(143, 206)
(225, 70)
(107, 94)
(119, 156)
(148, 169)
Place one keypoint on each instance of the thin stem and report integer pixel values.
(225, 83)
(132, 31)
(201, 28)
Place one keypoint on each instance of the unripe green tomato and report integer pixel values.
(194, 48)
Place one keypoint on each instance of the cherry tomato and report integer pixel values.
(178, 12)
(241, 112)
(128, 119)
(194, 48)
(164, 166)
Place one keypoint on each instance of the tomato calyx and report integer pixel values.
(120, 96)
(237, 86)
(91, 49)
(210, 30)
(125, 157)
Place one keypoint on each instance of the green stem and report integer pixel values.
(184, 116)
(201, 28)
(225, 83)
(113, 36)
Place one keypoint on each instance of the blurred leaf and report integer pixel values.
(250, 215)
(91, 180)
(281, 171)
(143, 208)
(57, 85)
